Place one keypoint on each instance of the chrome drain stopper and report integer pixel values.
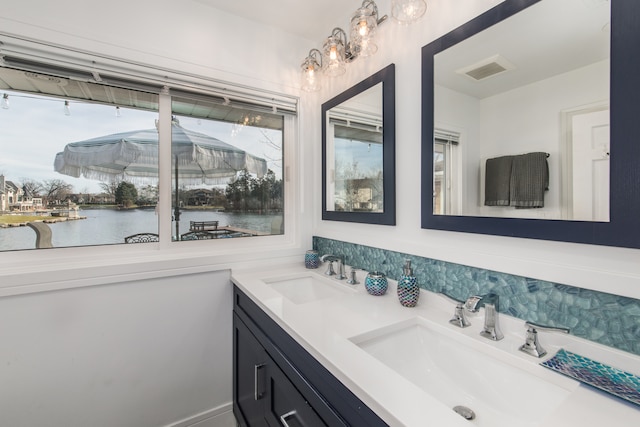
(465, 412)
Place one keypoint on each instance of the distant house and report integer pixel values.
(200, 197)
(14, 198)
(359, 194)
(12, 195)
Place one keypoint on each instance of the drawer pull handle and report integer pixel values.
(257, 393)
(283, 418)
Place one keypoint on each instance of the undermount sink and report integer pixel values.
(308, 287)
(457, 372)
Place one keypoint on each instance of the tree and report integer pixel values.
(126, 194)
(109, 187)
(238, 191)
(263, 190)
(55, 189)
(31, 187)
(148, 195)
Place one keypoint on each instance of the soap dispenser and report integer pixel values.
(408, 289)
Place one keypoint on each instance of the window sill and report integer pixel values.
(25, 272)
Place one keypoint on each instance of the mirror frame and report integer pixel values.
(386, 76)
(623, 229)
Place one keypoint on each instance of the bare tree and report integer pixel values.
(109, 187)
(31, 187)
(55, 189)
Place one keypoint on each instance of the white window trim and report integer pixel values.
(454, 172)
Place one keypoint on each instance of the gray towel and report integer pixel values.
(529, 180)
(497, 181)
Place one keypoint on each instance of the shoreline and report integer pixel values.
(48, 220)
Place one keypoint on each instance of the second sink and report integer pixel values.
(459, 374)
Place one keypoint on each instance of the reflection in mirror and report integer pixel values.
(358, 152)
(560, 102)
(522, 121)
(354, 142)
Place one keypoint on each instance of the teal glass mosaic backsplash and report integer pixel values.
(597, 316)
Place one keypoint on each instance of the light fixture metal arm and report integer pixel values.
(316, 55)
(374, 7)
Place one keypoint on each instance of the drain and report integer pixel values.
(465, 412)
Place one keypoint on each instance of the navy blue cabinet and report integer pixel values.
(276, 382)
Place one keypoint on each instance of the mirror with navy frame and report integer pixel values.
(358, 152)
(621, 227)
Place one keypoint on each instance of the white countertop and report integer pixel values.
(323, 327)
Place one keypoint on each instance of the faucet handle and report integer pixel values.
(532, 345)
(534, 326)
(459, 319)
(330, 271)
(352, 280)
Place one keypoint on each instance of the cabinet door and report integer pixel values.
(285, 405)
(249, 376)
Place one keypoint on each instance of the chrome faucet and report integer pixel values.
(532, 346)
(330, 272)
(490, 301)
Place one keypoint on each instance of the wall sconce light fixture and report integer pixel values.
(336, 50)
(363, 28)
(334, 53)
(312, 71)
(408, 11)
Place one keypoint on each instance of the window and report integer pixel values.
(236, 186)
(443, 169)
(83, 158)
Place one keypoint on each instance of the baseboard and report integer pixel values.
(222, 416)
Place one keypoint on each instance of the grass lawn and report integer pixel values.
(16, 219)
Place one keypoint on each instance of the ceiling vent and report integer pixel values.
(486, 68)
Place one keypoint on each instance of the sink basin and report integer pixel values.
(455, 370)
(305, 288)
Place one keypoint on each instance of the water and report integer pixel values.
(108, 226)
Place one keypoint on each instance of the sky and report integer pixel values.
(367, 156)
(34, 128)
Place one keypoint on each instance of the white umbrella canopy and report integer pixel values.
(133, 156)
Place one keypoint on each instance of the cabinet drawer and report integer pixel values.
(286, 406)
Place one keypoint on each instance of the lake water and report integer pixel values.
(107, 226)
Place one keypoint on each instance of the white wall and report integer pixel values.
(183, 35)
(613, 270)
(137, 353)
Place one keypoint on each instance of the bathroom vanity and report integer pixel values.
(276, 382)
(313, 351)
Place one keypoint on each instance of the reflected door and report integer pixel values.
(590, 153)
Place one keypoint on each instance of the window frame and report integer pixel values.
(29, 266)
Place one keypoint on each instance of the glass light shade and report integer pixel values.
(5, 101)
(333, 52)
(408, 11)
(311, 75)
(67, 108)
(363, 29)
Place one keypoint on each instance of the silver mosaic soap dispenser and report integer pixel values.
(408, 289)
